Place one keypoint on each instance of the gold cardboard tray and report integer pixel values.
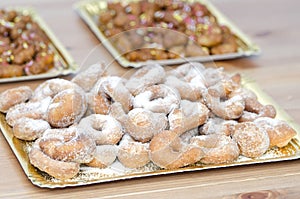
(64, 63)
(116, 171)
(89, 9)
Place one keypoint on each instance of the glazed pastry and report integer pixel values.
(154, 30)
(25, 49)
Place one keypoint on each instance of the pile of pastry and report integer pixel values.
(24, 47)
(165, 29)
(190, 114)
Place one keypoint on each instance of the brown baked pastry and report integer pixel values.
(207, 130)
(25, 48)
(145, 77)
(252, 140)
(133, 154)
(280, 133)
(67, 144)
(189, 116)
(155, 30)
(140, 124)
(14, 96)
(217, 149)
(167, 151)
(66, 108)
(59, 152)
(34, 110)
(113, 89)
(58, 169)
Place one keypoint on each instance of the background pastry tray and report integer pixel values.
(116, 171)
(64, 63)
(89, 10)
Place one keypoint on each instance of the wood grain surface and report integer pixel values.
(272, 24)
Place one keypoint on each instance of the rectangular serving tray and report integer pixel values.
(88, 10)
(64, 63)
(116, 171)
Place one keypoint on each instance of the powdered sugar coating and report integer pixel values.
(58, 169)
(213, 76)
(68, 144)
(98, 103)
(190, 115)
(253, 141)
(145, 77)
(104, 129)
(280, 133)
(174, 142)
(188, 71)
(218, 125)
(86, 79)
(254, 109)
(113, 87)
(52, 87)
(142, 124)
(188, 79)
(29, 129)
(133, 154)
(231, 108)
(157, 98)
(105, 155)
(14, 96)
(167, 151)
(188, 135)
(186, 90)
(217, 148)
(34, 110)
(66, 108)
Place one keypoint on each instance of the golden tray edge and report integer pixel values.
(93, 175)
(85, 8)
(63, 56)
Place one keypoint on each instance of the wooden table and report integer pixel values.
(273, 25)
